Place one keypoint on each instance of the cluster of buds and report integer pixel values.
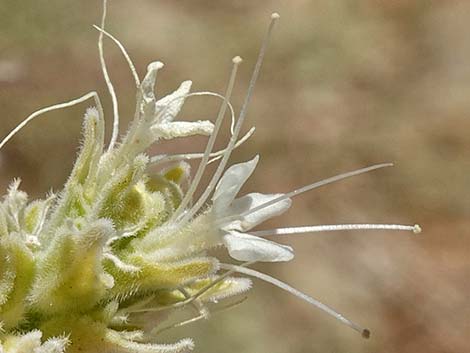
(98, 266)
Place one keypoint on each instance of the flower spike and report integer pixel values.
(96, 268)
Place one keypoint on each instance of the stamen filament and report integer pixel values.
(109, 84)
(218, 309)
(210, 144)
(335, 227)
(266, 278)
(194, 94)
(241, 118)
(34, 115)
(308, 188)
(166, 158)
(195, 296)
(124, 53)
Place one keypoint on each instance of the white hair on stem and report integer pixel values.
(241, 118)
(266, 278)
(109, 84)
(166, 158)
(210, 144)
(124, 53)
(416, 229)
(37, 113)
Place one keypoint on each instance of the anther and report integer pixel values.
(237, 60)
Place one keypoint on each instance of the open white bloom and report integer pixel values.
(236, 217)
(98, 267)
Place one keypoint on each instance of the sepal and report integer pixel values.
(70, 276)
(16, 275)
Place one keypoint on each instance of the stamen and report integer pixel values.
(416, 229)
(166, 158)
(197, 304)
(308, 188)
(241, 118)
(195, 296)
(210, 144)
(264, 277)
(218, 309)
(194, 94)
(109, 84)
(124, 53)
(51, 108)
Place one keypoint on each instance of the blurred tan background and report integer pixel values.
(345, 84)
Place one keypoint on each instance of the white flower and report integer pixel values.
(236, 216)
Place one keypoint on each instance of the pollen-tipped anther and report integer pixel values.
(237, 60)
(417, 229)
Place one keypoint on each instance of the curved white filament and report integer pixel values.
(241, 118)
(307, 188)
(109, 84)
(166, 158)
(51, 108)
(210, 143)
(124, 53)
(266, 278)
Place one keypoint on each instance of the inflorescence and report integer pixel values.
(98, 266)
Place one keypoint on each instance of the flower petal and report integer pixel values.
(230, 184)
(248, 202)
(148, 83)
(246, 247)
(182, 129)
(170, 105)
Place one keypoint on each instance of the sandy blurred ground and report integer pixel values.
(345, 84)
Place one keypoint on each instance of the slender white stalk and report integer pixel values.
(335, 227)
(197, 295)
(307, 188)
(37, 113)
(218, 309)
(266, 278)
(196, 94)
(109, 84)
(210, 144)
(124, 53)
(241, 118)
(166, 158)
